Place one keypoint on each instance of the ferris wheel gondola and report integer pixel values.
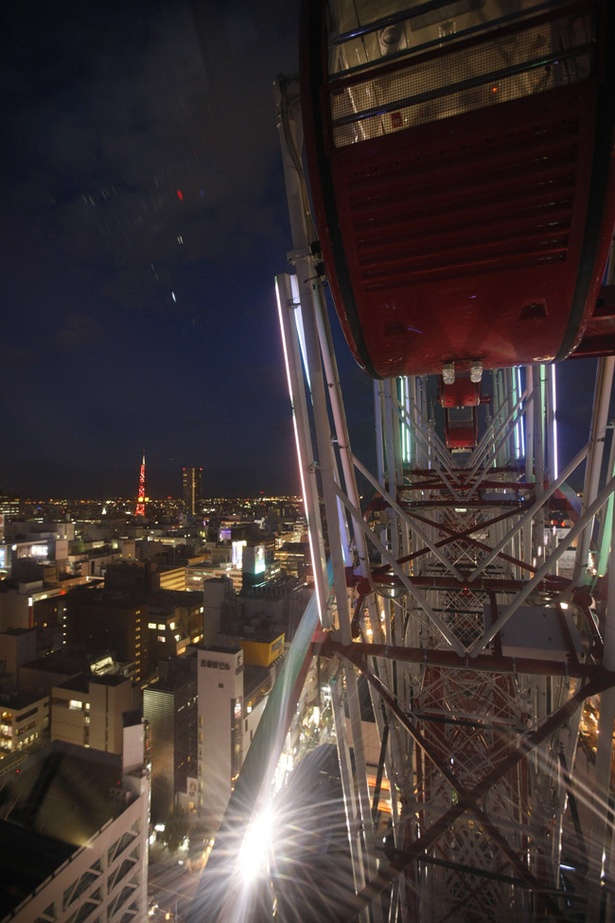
(460, 162)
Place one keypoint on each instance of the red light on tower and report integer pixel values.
(140, 510)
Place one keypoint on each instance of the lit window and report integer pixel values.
(75, 703)
(162, 638)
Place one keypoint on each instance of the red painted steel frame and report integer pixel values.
(483, 235)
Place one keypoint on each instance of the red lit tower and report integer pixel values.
(140, 509)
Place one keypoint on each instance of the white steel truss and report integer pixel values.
(484, 661)
(490, 664)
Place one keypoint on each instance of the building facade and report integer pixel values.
(170, 709)
(220, 726)
(192, 489)
(88, 711)
(110, 620)
(24, 721)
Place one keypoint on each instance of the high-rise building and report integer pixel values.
(232, 696)
(170, 708)
(220, 716)
(191, 489)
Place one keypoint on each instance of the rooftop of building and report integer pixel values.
(253, 678)
(103, 598)
(49, 807)
(28, 859)
(263, 634)
(175, 673)
(223, 648)
(83, 681)
(68, 661)
(173, 598)
(272, 589)
(17, 700)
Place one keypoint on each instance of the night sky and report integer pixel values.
(143, 221)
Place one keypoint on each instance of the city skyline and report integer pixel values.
(167, 485)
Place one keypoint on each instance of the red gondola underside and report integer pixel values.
(478, 236)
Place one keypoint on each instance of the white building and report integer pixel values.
(73, 840)
(88, 711)
(24, 721)
(232, 696)
(220, 726)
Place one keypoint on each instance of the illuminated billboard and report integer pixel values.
(237, 553)
(254, 559)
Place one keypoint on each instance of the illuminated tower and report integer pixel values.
(140, 509)
(191, 485)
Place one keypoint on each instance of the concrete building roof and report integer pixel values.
(66, 661)
(27, 859)
(173, 598)
(253, 678)
(82, 682)
(222, 648)
(50, 807)
(18, 700)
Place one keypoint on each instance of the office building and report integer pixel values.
(56, 667)
(170, 709)
(113, 621)
(24, 721)
(231, 700)
(175, 622)
(191, 489)
(89, 711)
(220, 713)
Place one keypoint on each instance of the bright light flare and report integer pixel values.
(253, 858)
